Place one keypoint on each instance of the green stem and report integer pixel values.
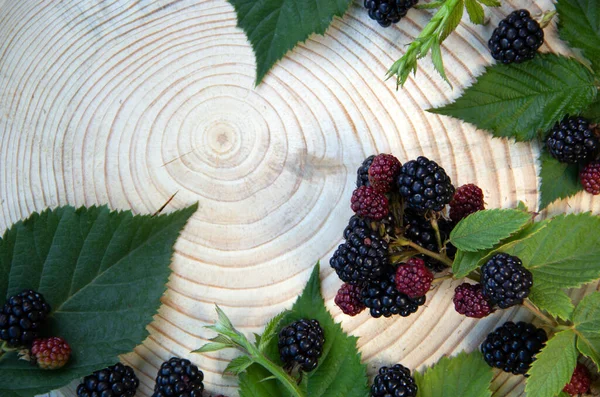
(539, 314)
(436, 227)
(278, 373)
(439, 257)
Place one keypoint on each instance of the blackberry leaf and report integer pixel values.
(554, 301)
(558, 180)
(579, 25)
(587, 323)
(475, 11)
(593, 112)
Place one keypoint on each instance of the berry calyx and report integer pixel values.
(349, 299)
(467, 200)
(383, 172)
(413, 278)
(590, 177)
(369, 203)
(580, 381)
(469, 301)
(301, 343)
(50, 353)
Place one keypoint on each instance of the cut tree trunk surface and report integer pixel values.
(130, 102)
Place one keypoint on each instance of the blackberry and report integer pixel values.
(469, 301)
(369, 203)
(384, 228)
(21, 318)
(50, 353)
(349, 299)
(362, 174)
(571, 140)
(505, 281)
(383, 172)
(419, 230)
(425, 185)
(467, 200)
(580, 381)
(513, 347)
(516, 39)
(301, 343)
(178, 377)
(115, 381)
(590, 178)
(362, 257)
(383, 299)
(413, 278)
(394, 381)
(387, 12)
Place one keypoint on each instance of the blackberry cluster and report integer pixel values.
(178, 377)
(115, 381)
(571, 140)
(394, 381)
(362, 174)
(505, 281)
(425, 185)
(349, 299)
(387, 12)
(301, 343)
(513, 347)
(469, 301)
(419, 230)
(383, 299)
(590, 177)
(516, 39)
(21, 318)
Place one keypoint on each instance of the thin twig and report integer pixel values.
(165, 204)
(538, 313)
(439, 257)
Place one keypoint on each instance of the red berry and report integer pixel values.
(413, 278)
(349, 299)
(467, 200)
(383, 172)
(369, 203)
(469, 300)
(580, 381)
(51, 353)
(590, 177)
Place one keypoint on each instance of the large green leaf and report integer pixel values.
(587, 323)
(553, 300)
(274, 27)
(522, 101)
(103, 274)
(579, 24)
(558, 180)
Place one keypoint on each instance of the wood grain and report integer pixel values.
(130, 102)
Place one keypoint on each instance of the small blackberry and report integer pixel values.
(383, 172)
(425, 185)
(394, 381)
(301, 343)
(513, 347)
(420, 231)
(467, 200)
(590, 177)
(505, 281)
(115, 381)
(178, 377)
(369, 203)
(362, 174)
(21, 318)
(580, 381)
(516, 39)
(413, 278)
(469, 301)
(50, 353)
(363, 257)
(571, 140)
(387, 12)
(349, 299)
(383, 299)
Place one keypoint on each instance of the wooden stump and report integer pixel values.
(130, 102)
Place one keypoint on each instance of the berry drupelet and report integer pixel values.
(516, 39)
(115, 381)
(387, 12)
(425, 185)
(505, 281)
(362, 173)
(50, 353)
(383, 172)
(301, 343)
(590, 177)
(383, 299)
(571, 140)
(413, 278)
(178, 377)
(369, 203)
(21, 318)
(469, 301)
(349, 299)
(580, 381)
(394, 381)
(467, 200)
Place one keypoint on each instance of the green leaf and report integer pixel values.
(429, 6)
(438, 62)
(270, 331)
(587, 314)
(553, 366)
(452, 20)
(475, 11)
(593, 112)
(554, 301)
(465, 262)
(558, 180)
(465, 375)
(522, 207)
(257, 382)
(213, 347)
(491, 3)
(95, 267)
(523, 100)
(274, 27)
(589, 345)
(238, 365)
(484, 229)
(579, 25)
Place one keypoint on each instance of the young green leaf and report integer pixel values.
(587, 323)
(491, 3)
(484, 229)
(558, 180)
(94, 267)
(270, 331)
(553, 300)
(475, 11)
(238, 365)
(465, 375)
(274, 27)
(553, 366)
(521, 101)
(452, 20)
(579, 25)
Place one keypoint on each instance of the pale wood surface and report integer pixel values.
(129, 102)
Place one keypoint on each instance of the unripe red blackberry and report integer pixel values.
(349, 299)
(469, 301)
(369, 203)
(580, 381)
(467, 200)
(50, 353)
(590, 177)
(383, 172)
(413, 278)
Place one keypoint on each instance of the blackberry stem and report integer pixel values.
(439, 257)
(436, 227)
(439, 280)
(538, 313)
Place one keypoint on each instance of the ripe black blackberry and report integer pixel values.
(178, 377)
(21, 318)
(425, 185)
(301, 343)
(420, 231)
(115, 381)
(394, 381)
(362, 257)
(505, 281)
(513, 347)
(516, 39)
(387, 12)
(571, 140)
(362, 174)
(383, 299)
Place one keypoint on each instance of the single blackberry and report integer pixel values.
(571, 140)
(387, 12)
(50, 353)
(383, 172)
(362, 257)
(516, 39)
(425, 185)
(413, 278)
(21, 318)
(383, 299)
(420, 231)
(115, 381)
(369, 203)
(301, 343)
(384, 228)
(394, 381)
(505, 281)
(362, 174)
(590, 177)
(467, 200)
(513, 347)
(469, 301)
(580, 381)
(349, 299)
(178, 377)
